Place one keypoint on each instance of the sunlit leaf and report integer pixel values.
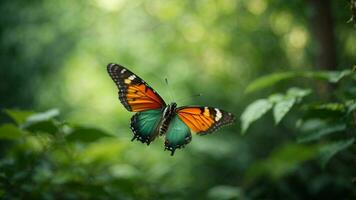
(44, 116)
(224, 192)
(329, 106)
(322, 131)
(281, 108)
(284, 103)
(10, 131)
(327, 110)
(268, 81)
(18, 116)
(42, 122)
(274, 98)
(253, 112)
(298, 92)
(329, 150)
(86, 134)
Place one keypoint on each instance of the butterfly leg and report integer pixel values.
(172, 152)
(139, 138)
(171, 149)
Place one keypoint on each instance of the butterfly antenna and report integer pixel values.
(169, 90)
(195, 95)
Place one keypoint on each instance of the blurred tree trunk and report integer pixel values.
(323, 31)
(321, 20)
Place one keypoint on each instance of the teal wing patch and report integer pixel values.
(177, 135)
(144, 125)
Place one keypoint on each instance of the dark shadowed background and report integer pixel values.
(53, 57)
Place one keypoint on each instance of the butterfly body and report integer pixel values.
(155, 118)
(157, 121)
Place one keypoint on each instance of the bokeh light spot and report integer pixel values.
(281, 22)
(110, 5)
(256, 7)
(298, 37)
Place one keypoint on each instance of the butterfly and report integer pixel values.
(155, 118)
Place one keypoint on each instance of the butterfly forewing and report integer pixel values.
(204, 120)
(134, 93)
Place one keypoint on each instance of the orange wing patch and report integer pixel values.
(203, 120)
(134, 93)
(140, 97)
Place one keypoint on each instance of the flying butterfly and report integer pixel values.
(155, 118)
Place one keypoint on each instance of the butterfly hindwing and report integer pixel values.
(134, 93)
(177, 135)
(144, 125)
(203, 120)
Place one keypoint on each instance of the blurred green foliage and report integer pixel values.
(254, 58)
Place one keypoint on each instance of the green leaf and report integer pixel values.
(253, 112)
(282, 161)
(85, 134)
(10, 132)
(44, 116)
(18, 116)
(311, 125)
(283, 103)
(327, 110)
(42, 122)
(322, 131)
(330, 106)
(298, 92)
(224, 192)
(329, 150)
(351, 106)
(48, 126)
(281, 108)
(274, 98)
(268, 80)
(272, 79)
(337, 76)
(331, 76)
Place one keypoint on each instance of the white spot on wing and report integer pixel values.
(123, 71)
(218, 114)
(132, 77)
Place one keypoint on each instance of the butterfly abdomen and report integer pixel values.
(163, 128)
(168, 113)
